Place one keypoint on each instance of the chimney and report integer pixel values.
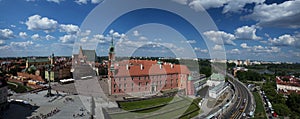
(160, 66)
(142, 67)
(172, 66)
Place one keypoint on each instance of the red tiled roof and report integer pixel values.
(293, 81)
(149, 68)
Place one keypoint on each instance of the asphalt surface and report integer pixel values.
(242, 93)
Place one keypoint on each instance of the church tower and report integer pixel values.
(111, 58)
(111, 67)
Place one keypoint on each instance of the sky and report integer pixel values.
(265, 30)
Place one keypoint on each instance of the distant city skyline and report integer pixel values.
(263, 30)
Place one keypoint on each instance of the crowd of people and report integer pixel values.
(82, 114)
(45, 116)
(68, 99)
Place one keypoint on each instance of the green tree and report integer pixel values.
(281, 109)
(293, 102)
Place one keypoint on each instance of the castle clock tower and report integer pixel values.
(111, 67)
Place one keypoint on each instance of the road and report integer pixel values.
(243, 98)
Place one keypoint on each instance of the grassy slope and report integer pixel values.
(259, 110)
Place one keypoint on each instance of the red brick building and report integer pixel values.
(144, 77)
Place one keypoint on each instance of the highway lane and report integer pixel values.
(242, 93)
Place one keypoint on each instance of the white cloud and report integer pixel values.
(85, 33)
(6, 34)
(2, 42)
(38, 45)
(229, 5)
(23, 35)
(283, 40)
(67, 38)
(143, 38)
(99, 39)
(49, 37)
(235, 51)
(286, 14)
(96, 1)
(36, 22)
(56, 1)
(220, 37)
(183, 2)
(245, 46)
(261, 49)
(201, 50)
(136, 33)
(217, 47)
(22, 44)
(238, 5)
(84, 39)
(207, 4)
(36, 37)
(116, 35)
(81, 1)
(69, 28)
(246, 32)
(196, 5)
(191, 41)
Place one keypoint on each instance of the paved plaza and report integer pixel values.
(65, 104)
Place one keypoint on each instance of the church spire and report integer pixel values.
(112, 41)
(112, 49)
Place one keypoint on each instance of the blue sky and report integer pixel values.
(250, 29)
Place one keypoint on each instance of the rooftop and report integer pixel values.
(147, 67)
(32, 60)
(217, 77)
(292, 81)
(218, 87)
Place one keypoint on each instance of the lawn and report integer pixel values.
(173, 109)
(18, 88)
(259, 110)
(145, 103)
